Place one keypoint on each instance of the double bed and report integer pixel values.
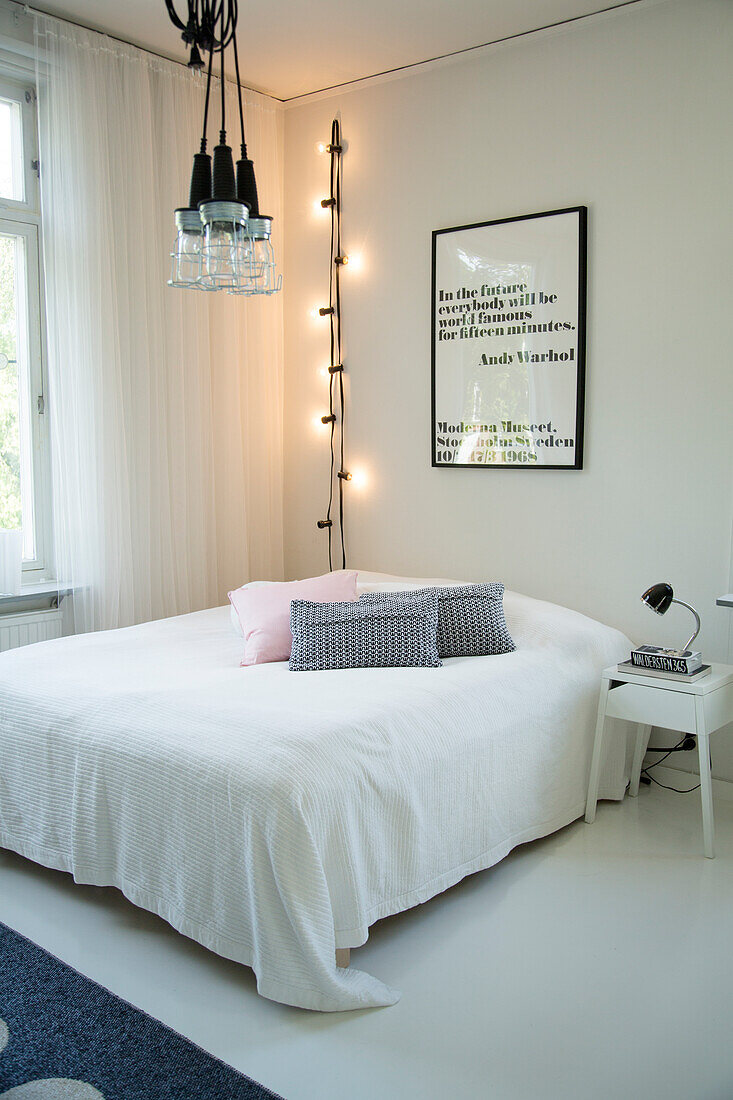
(274, 816)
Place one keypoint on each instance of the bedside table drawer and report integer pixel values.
(652, 707)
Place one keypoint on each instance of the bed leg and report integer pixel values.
(343, 956)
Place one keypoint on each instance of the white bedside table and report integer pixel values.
(698, 708)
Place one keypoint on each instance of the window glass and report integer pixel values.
(16, 459)
(25, 475)
(11, 151)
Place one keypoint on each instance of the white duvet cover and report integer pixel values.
(274, 816)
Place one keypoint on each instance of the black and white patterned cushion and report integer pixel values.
(471, 619)
(389, 630)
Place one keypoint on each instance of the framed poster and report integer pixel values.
(508, 342)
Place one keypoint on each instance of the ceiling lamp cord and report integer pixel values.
(222, 88)
(246, 182)
(199, 30)
(224, 189)
(201, 173)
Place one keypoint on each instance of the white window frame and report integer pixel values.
(23, 218)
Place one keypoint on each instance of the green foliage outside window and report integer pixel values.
(11, 515)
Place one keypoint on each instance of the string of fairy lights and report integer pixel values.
(335, 418)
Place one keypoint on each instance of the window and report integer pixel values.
(24, 473)
(11, 151)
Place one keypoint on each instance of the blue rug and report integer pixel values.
(64, 1036)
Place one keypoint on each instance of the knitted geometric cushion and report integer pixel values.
(471, 619)
(389, 629)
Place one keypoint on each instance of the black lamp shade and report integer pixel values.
(659, 597)
(224, 185)
(200, 180)
(247, 187)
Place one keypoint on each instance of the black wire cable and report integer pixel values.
(341, 482)
(239, 95)
(677, 790)
(229, 32)
(206, 102)
(330, 487)
(223, 134)
(336, 365)
(332, 441)
(336, 317)
(667, 752)
(202, 20)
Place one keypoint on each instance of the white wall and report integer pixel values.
(628, 114)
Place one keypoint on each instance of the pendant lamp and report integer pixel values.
(222, 241)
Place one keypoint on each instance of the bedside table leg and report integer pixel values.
(706, 794)
(595, 767)
(642, 740)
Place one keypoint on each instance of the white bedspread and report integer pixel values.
(273, 816)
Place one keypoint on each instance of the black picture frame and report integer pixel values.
(581, 328)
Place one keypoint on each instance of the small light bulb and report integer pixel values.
(326, 147)
(341, 260)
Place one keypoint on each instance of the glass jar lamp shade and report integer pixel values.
(186, 252)
(226, 252)
(263, 277)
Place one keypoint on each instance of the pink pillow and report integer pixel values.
(265, 612)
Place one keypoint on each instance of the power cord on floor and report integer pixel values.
(677, 790)
(668, 752)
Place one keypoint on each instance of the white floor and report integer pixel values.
(595, 963)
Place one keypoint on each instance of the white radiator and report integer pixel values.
(27, 627)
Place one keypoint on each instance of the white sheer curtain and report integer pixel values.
(166, 405)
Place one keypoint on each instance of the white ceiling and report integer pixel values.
(291, 47)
